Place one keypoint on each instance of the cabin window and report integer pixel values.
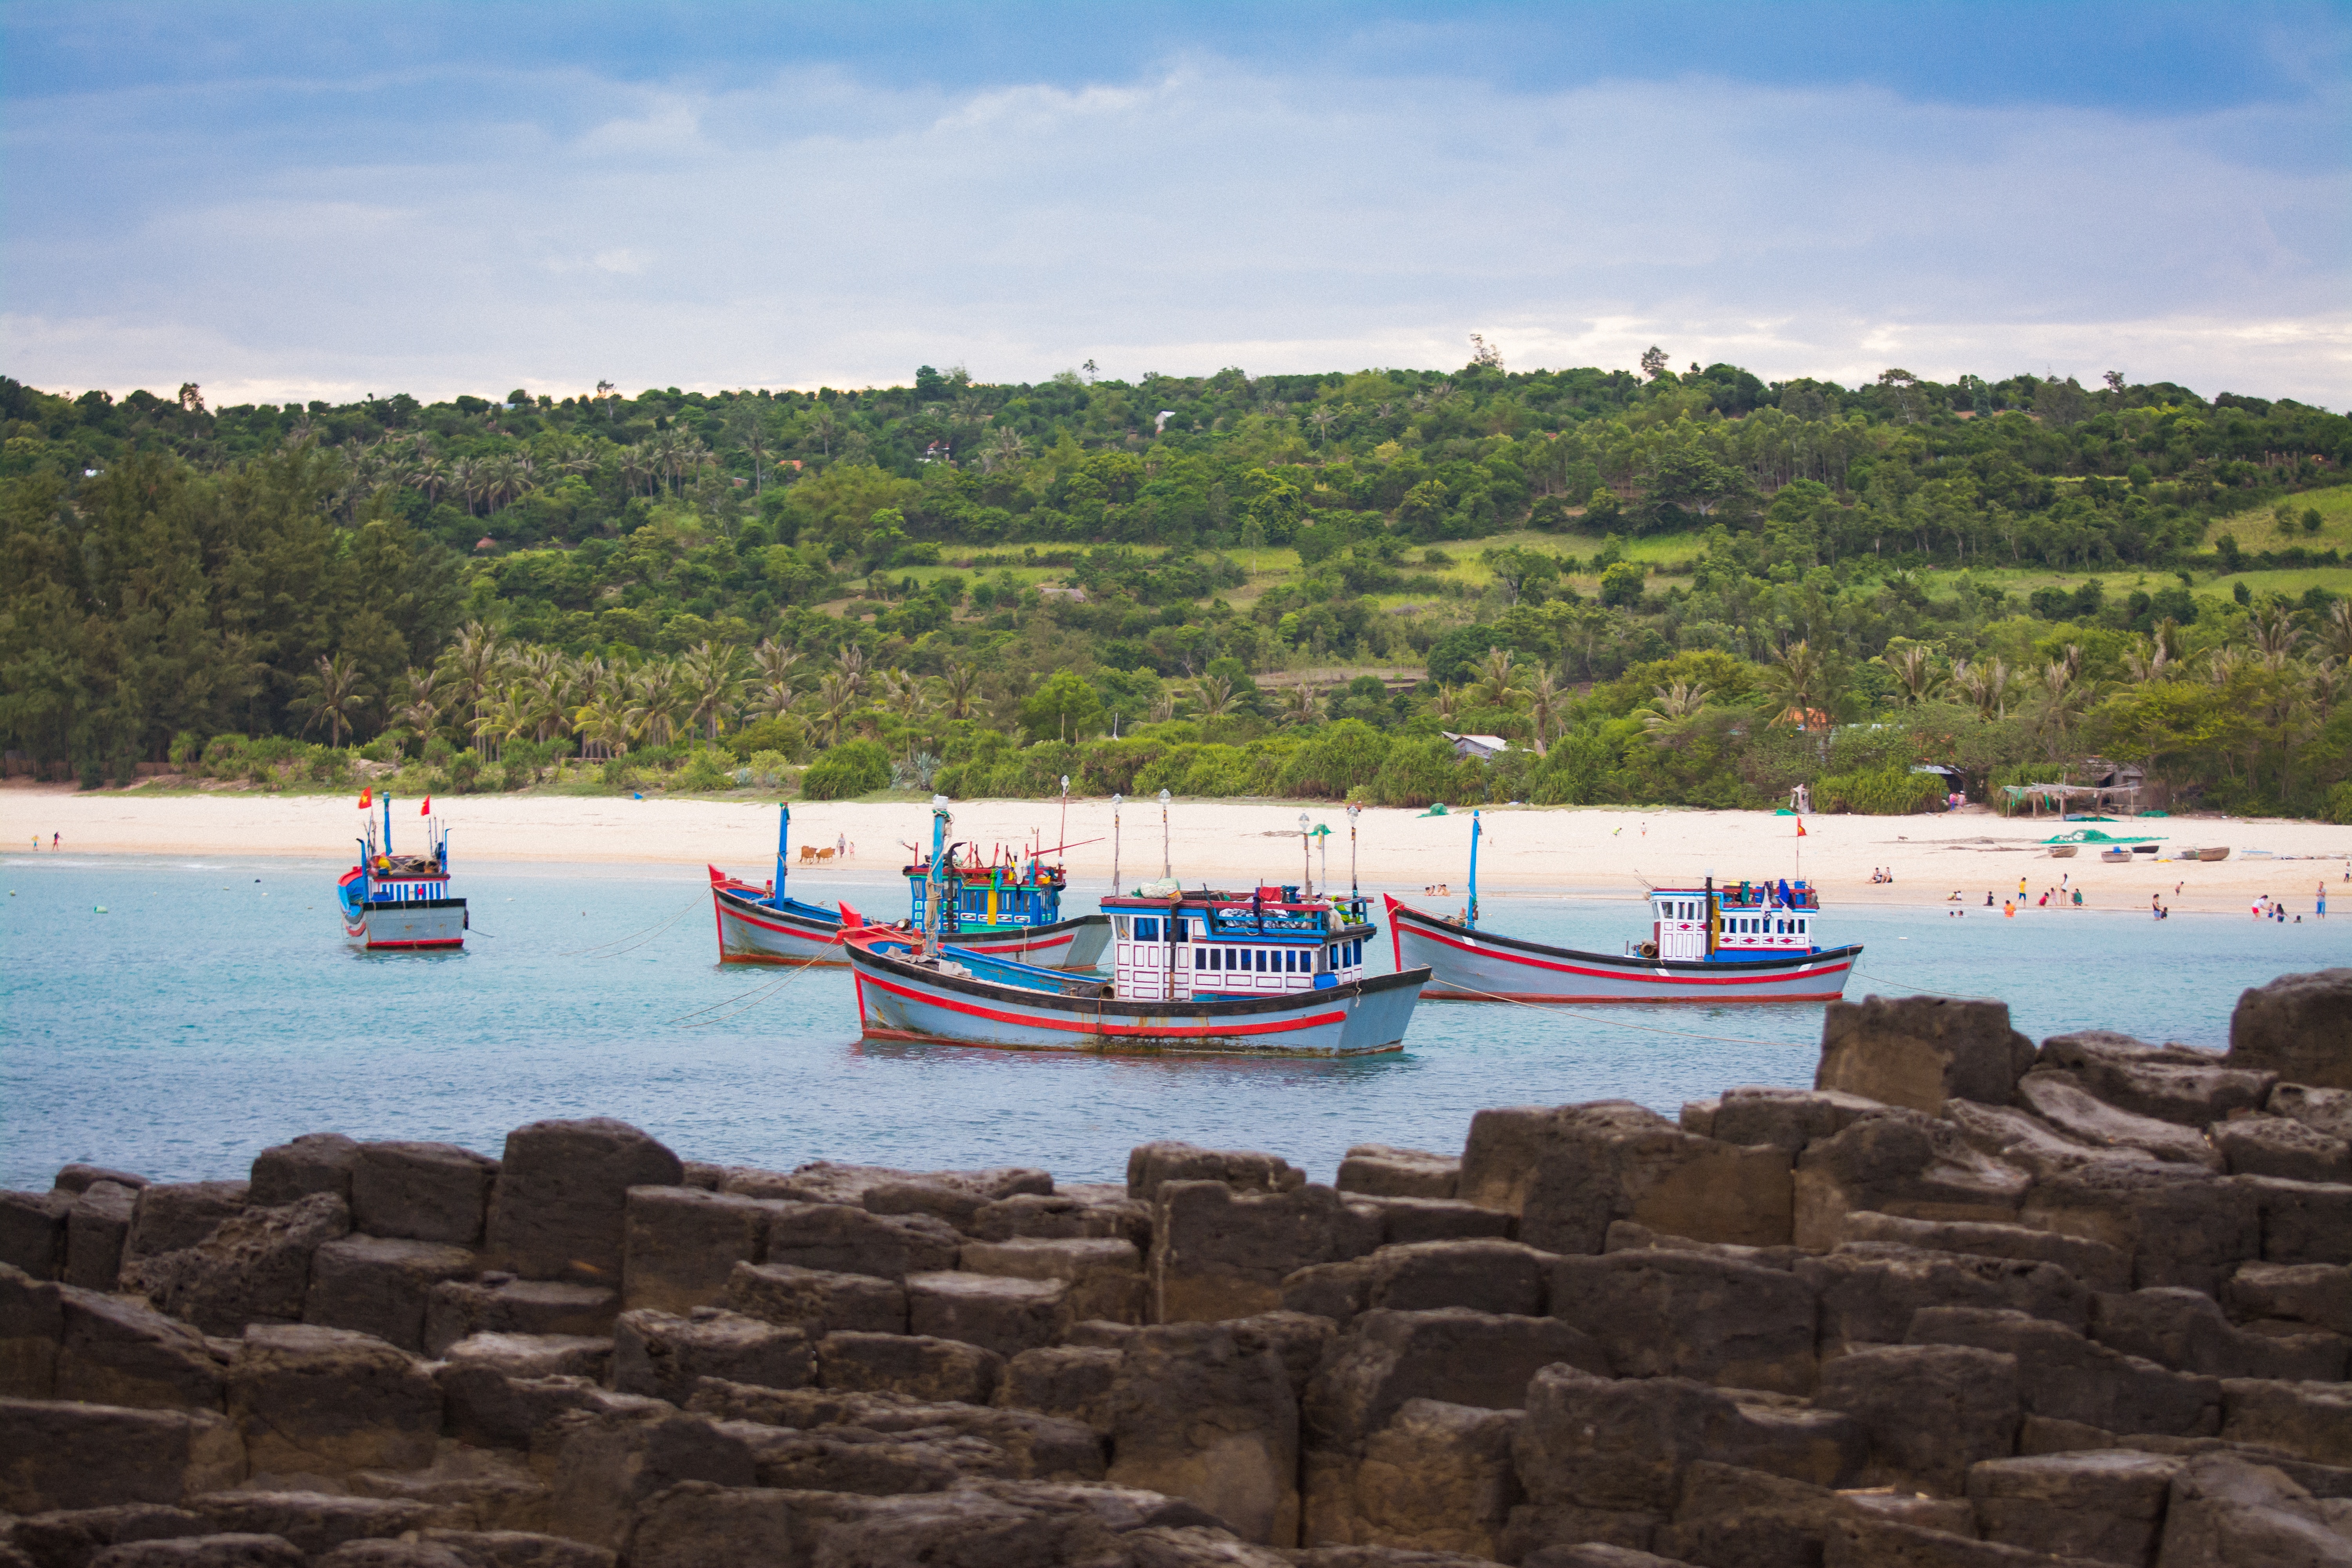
(1184, 929)
(1289, 962)
(1147, 931)
(1261, 961)
(1200, 958)
(1122, 927)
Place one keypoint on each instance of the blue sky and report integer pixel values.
(297, 200)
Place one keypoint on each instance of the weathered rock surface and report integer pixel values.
(170, 1216)
(1869, 1291)
(499, 1304)
(1150, 1165)
(1911, 1166)
(312, 1401)
(255, 1267)
(2298, 1026)
(561, 1194)
(64, 1454)
(2281, 1146)
(2319, 1294)
(111, 1351)
(680, 1245)
(1001, 1313)
(1592, 1165)
(665, 1356)
(1929, 1411)
(2178, 1225)
(2185, 1330)
(1921, 1051)
(2223, 1512)
(33, 1232)
(98, 1227)
(819, 1300)
(2060, 1098)
(839, 1238)
(2171, 1083)
(2107, 1505)
(314, 1162)
(1451, 1355)
(1102, 1276)
(1196, 1414)
(2327, 1111)
(918, 1366)
(422, 1192)
(1217, 1252)
(2095, 1263)
(1378, 1171)
(1671, 1314)
(381, 1287)
(2067, 1377)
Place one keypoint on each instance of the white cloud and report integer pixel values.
(813, 231)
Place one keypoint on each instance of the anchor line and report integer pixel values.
(648, 933)
(1916, 990)
(747, 999)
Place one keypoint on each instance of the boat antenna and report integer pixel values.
(1353, 811)
(388, 824)
(1165, 862)
(940, 820)
(783, 832)
(1476, 829)
(1114, 845)
(1065, 834)
(1306, 853)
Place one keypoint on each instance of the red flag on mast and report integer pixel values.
(367, 798)
(427, 810)
(1800, 827)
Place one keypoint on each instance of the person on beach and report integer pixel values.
(1987, 899)
(2078, 898)
(2008, 911)
(56, 841)
(2323, 901)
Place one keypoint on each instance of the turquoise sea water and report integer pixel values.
(213, 1008)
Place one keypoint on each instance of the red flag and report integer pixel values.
(1800, 827)
(367, 798)
(427, 810)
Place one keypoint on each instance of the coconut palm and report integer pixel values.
(603, 723)
(470, 666)
(958, 685)
(1447, 703)
(418, 704)
(2335, 631)
(1915, 672)
(655, 702)
(1163, 707)
(2221, 665)
(2275, 636)
(335, 692)
(1797, 682)
(713, 677)
(1547, 701)
(851, 663)
(837, 699)
(2148, 662)
(1673, 704)
(1323, 419)
(637, 467)
(1213, 696)
(1299, 704)
(1498, 684)
(1984, 684)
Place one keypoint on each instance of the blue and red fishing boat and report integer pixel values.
(1745, 942)
(401, 902)
(1006, 906)
(1272, 971)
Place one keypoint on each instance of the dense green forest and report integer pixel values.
(1667, 588)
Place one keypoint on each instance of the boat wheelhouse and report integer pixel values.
(1272, 972)
(401, 902)
(1744, 941)
(1009, 907)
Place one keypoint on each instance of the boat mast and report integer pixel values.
(1474, 831)
(1353, 890)
(1164, 861)
(1306, 853)
(783, 831)
(1114, 845)
(931, 877)
(388, 824)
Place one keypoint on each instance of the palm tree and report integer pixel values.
(1915, 671)
(2062, 695)
(637, 467)
(1545, 701)
(958, 683)
(2335, 631)
(1163, 707)
(470, 666)
(1499, 685)
(655, 700)
(1673, 704)
(851, 662)
(1985, 685)
(1447, 703)
(335, 692)
(603, 723)
(1213, 695)
(1008, 446)
(1323, 419)
(2275, 636)
(836, 699)
(1798, 683)
(713, 674)
(1299, 704)
(2148, 661)
(2222, 665)
(906, 696)
(420, 703)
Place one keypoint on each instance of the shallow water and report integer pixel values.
(215, 1009)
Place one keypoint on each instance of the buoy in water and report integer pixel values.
(98, 909)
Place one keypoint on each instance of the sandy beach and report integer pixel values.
(1592, 851)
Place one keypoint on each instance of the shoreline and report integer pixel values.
(1574, 850)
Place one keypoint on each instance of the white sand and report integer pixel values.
(1525, 850)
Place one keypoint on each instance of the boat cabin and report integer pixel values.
(1228, 945)
(1736, 920)
(1006, 889)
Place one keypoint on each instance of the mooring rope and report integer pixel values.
(748, 999)
(1554, 1009)
(648, 933)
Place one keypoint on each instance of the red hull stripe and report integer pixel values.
(1795, 972)
(1273, 1027)
(814, 933)
(459, 942)
(1548, 996)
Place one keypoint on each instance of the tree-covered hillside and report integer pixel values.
(1667, 588)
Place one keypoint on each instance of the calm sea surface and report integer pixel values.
(213, 1008)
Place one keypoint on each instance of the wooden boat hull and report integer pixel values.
(418, 925)
(2065, 851)
(1472, 965)
(899, 999)
(2221, 853)
(751, 932)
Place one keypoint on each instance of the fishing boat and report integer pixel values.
(401, 902)
(1007, 907)
(1274, 971)
(1745, 942)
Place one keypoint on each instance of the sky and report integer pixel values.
(285, 202)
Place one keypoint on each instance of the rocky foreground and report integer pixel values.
(1965, 1303)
